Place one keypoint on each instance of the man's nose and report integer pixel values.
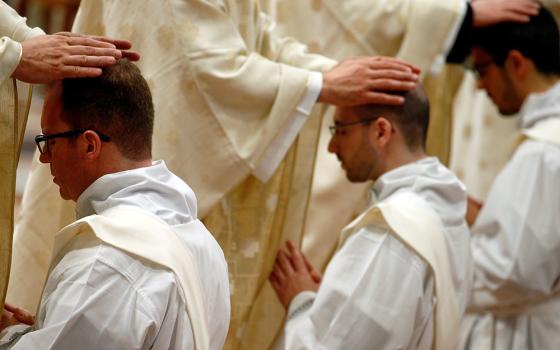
(480, 83)
(332, 145)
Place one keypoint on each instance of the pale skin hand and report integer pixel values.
(489, 12)
(473, 208)
(363, 80)
(47, 58)
(12, 315)
(292, 274)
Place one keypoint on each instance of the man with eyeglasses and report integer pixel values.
(137, 270)
(516, 234)
(402, 274)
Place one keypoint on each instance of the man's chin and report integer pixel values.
(63, 194)
(354, 179)
(506, 112)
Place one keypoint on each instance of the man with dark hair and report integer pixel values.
(516, 235)
(137, 270)
(401, 277)
(127, 113)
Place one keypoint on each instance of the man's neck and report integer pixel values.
(404, 157)
(539, 83)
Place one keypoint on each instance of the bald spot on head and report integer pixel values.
(411, 118)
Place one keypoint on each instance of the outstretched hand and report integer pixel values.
(47, 58)
(489, 12)
(366, 80)
(292, 274)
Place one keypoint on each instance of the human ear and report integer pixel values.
(92, 144)
(517, 64)
(382, 129)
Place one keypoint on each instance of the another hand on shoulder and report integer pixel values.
(292, 274)
(365, 80)
(47, 58)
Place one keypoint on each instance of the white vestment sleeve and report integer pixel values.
(375, 293)
(277, 150)
(13, 29)
(439, 61)
(264, 80)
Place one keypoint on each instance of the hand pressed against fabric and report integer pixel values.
(293, 274)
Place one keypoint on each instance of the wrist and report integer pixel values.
(301, 303)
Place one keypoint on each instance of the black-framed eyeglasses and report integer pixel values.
(339, 126)
(42, 141)
(481, 68)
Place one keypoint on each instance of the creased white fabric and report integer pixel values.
(13, 30)
(98, 297)
(377, 293)
(516, 243)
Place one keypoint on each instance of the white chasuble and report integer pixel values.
(225, 88)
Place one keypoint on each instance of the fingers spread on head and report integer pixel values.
(89, 61)
(79, 72)
(383, 99)
(89, 41)
(391, 85)
(131, 55)
(393, 74)
(94, 51)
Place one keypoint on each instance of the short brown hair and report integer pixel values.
(118, 104)
(412, 117)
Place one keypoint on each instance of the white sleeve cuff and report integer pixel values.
(10, 54)
(300, 304)
(279, 147)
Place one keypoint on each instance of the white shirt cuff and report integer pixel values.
(279, 147)
(300, 304)
(10, 55)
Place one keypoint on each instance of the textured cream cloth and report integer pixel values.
(224, 86)
(13, 116)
